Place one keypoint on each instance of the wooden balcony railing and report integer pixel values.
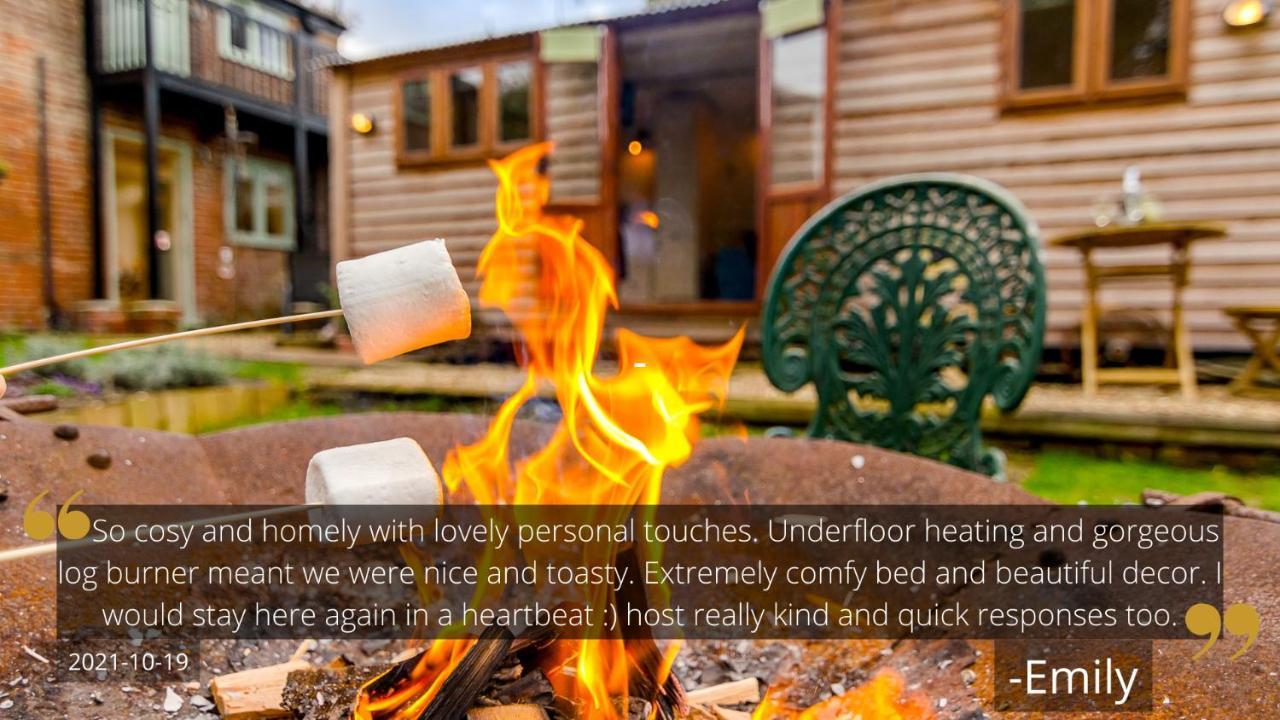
(216, 45)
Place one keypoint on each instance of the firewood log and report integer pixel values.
(254, 694)
(730, 693)
(508, 712)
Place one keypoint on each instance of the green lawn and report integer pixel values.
(1066, 477)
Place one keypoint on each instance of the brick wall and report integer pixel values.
(258, 286)
(51, 29)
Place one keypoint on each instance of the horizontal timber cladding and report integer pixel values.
(573, 124)
(918, 89)
(389, 206)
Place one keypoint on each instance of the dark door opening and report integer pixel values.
(688, 158)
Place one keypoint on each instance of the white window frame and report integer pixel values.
(261, 172)
(279, 64)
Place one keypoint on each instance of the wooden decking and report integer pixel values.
(1140, 415)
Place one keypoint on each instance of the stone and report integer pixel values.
(66, 432)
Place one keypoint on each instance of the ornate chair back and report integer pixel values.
(906, 303)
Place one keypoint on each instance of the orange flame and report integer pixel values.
(618, 434)
(881, 698)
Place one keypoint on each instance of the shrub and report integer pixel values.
(37, 347)
(160, 369)
(52, 387)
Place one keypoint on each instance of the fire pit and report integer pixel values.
(628, 437)
(263, 464)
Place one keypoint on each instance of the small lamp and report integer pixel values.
(1247, 13)
(362, 123)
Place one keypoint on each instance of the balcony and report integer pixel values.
(219, 53)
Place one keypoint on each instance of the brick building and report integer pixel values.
(183, 179)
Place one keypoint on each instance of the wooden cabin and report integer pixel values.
(695, 138)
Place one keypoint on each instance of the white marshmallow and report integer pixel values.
(391, 472)
(402, 300)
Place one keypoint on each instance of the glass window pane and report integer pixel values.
(416, 108)
(513, 101)
(798, 95)
(244, 202)
(276, 207)
(464, 101)
(239, 30)
(1048, 43)
(1140, 47)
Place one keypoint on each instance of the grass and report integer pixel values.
(1069, 478)
(287, 373)
(54, 388)
(303, 407)
(137, 369)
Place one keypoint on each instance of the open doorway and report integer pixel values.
(128, 258)
(688, 158)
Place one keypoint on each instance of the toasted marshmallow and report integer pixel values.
(402, 300)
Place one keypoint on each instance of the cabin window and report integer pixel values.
(514, 113)
(415, 103)
(466, 112)
(1140, 39)
(1084, 51)
(259, 203)
(797, 108)
(464, 102)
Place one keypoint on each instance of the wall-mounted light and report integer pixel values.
(362, 123)
(635, 147)
(1247, 13)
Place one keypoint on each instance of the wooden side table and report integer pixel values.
(1178, 236)
(1261, 324)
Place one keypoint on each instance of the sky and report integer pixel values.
(378, 27)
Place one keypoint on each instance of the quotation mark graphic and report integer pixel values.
(1203, 619)
(40, 524)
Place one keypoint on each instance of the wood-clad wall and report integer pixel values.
(918, 90)
(573, 124)
(388, 206)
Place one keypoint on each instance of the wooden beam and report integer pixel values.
(151, 132)
(339, 168)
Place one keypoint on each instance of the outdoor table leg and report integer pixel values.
(1089, 329)
(1264, 353)
(1186, 360)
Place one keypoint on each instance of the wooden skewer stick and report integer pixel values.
(158, 339)
(50, 547)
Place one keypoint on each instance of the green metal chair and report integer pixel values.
(906, 303)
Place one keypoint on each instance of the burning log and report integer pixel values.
(533, 687)
(650, 677)
(255, 694)
(471, 676)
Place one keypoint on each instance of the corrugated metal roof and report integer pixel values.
(666, 8)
